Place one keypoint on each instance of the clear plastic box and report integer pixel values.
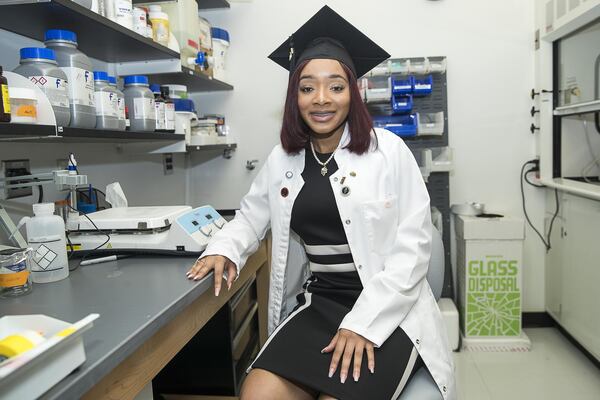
(430, 123)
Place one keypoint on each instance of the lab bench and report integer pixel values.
(148, 312)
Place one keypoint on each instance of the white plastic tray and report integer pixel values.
(30, 374)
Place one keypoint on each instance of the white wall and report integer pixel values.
(489, 45)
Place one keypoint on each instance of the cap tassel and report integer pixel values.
(292, 54)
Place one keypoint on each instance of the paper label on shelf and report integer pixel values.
(169, 116)
(106, 104)
(159, 115)
(81, 86)
(56, 89)
(121, 107)
(143, 108)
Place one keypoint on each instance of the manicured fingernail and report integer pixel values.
(217, 290)
(372, 370)
(330, 372)
(355, 376)
(196, 278)
(342, 378)
(323, 351)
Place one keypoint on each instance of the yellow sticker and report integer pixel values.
(66, 332)
(15, 279)
(5, 99)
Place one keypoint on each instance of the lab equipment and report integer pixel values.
(160, 24)
(106, 99)
(39, 65)
(403, 85)
(23, 105)
(102, 260)
(169, 110)
(140, 102)
(159, 108)
(29, 374)
(112, 81)
(46, 236)
(4, 99)
(15, 272)
(402, 103)
(184, 114)
(185, 27)
(147, 229)
(78, 68)
(119, 11)
(220, 41)
(205, 35)
(490, 261)
(401, 125)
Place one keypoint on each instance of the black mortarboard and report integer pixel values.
(328, 35)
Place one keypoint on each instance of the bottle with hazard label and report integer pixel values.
(78, 68)
(46, 236)
(40, 67)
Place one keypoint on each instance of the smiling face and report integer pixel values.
(324, 96)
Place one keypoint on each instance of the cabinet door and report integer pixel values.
(554, 266)
(581, 272)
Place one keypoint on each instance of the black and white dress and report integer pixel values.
(293, 351)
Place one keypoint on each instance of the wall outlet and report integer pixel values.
(168, 163)
(14, 168)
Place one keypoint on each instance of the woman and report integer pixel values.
(354, 198)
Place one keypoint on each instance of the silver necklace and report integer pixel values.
(323, 164)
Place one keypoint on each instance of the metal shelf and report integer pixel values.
(52, 134)
(202, 4)
(98, 37)
(194, 81)
(581, 108)
(212, 147)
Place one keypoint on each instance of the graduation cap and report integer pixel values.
(328, 35)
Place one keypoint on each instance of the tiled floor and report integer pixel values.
(553, 370)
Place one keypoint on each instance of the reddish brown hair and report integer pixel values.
(295, 133)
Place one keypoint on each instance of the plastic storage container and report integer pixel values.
(220, 41)
(139, 21)
(177, 91)
(139, 100)
(423, 86)
(112, 81)
(185, 27)
(23, 105)
(78, 68)
(430, 123)
(46, 235)
(39, 65)
(160, 25)
(105, 97)
(402, 103)
(184, 112)
(119, 11)
(401, 125)
(159, 108)
(403, 85)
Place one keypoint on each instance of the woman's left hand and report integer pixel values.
(348, 343)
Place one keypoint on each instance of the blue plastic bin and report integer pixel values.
(401, 125)
(403, 85)
(402, 104)
(423, 86)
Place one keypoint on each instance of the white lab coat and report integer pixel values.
(386, 217)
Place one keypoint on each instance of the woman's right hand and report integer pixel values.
(217, 263)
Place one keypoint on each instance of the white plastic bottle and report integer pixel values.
(46, 235)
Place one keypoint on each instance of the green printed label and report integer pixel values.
(493, 297)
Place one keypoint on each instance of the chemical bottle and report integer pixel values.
(78, 68)
(46, 236)
(105, 97)
(119, 11)
(140, 102)
(159, 108)
(120, 103)
(4, 99)
(160, 25)
(169, 110)
(39, 66)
